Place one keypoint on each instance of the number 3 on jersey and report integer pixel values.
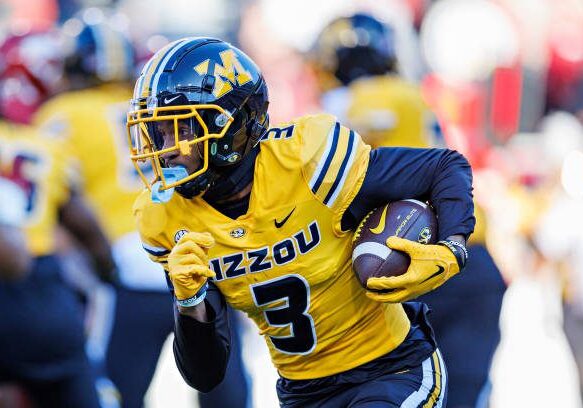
(290, 297)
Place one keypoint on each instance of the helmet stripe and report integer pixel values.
(164, 62)
(101, 62)
(110, 59)
(113, 53)
(140, 81)
(145, 85)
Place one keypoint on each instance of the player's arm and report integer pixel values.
(80, 221)
(202, 346)
(15, 260)
(439, 175)
(202, 336)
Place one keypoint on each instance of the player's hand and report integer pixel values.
(188, 268)
(431, 266)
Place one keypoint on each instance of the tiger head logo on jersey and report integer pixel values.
(199, 105)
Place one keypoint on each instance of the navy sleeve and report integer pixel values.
(441, 176)
(201, 349)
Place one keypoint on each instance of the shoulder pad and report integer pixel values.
(151, 218)
(334, 161)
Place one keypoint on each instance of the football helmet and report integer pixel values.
(201, 99)
(352, 47)
(31, 71)
(97, 49)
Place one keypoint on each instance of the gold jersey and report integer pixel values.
(286, 263)
(38, 167)
(91, 126)
(388, 111)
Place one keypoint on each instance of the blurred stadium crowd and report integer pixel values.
(499, 80)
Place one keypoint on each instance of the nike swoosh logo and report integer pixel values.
(279, 224)
(167, 101)
(379, 228)
(440, 270)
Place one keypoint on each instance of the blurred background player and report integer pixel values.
(41, 324)
(469, 343)
(560, 248)
(15, 260)
(536, 213)
(355, 62)
(356, 56)
(89, 121)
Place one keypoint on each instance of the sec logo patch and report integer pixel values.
(237, 232)
(179, 234)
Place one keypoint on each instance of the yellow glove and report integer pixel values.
(188, 268)
(431, 266)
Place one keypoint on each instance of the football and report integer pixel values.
(409, 219)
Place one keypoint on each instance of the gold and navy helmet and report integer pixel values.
(97, 48)
(352, 47)
(212, 89)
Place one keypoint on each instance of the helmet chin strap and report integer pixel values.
(234, 179)
(216, 186)
(195, 187)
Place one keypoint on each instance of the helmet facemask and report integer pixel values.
(189, 133)
(201, 98)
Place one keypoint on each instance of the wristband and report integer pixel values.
(459, 251)
(196, 299)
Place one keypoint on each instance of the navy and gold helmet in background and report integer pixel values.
(351, 47)
(216, 90)
(97, 48)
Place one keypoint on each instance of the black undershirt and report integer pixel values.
(394, 173)
(233, 209)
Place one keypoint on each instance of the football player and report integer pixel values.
(357, 54)
(41, 325)
(262, 219)
(469, 343)
(355, 62)
(89, 121)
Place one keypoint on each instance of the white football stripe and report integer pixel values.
(416, 398)
(443, 379)
(421, 203)
(345, 173)
(155, 250)
(160, 69)
(371, 248)
(327, 149)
